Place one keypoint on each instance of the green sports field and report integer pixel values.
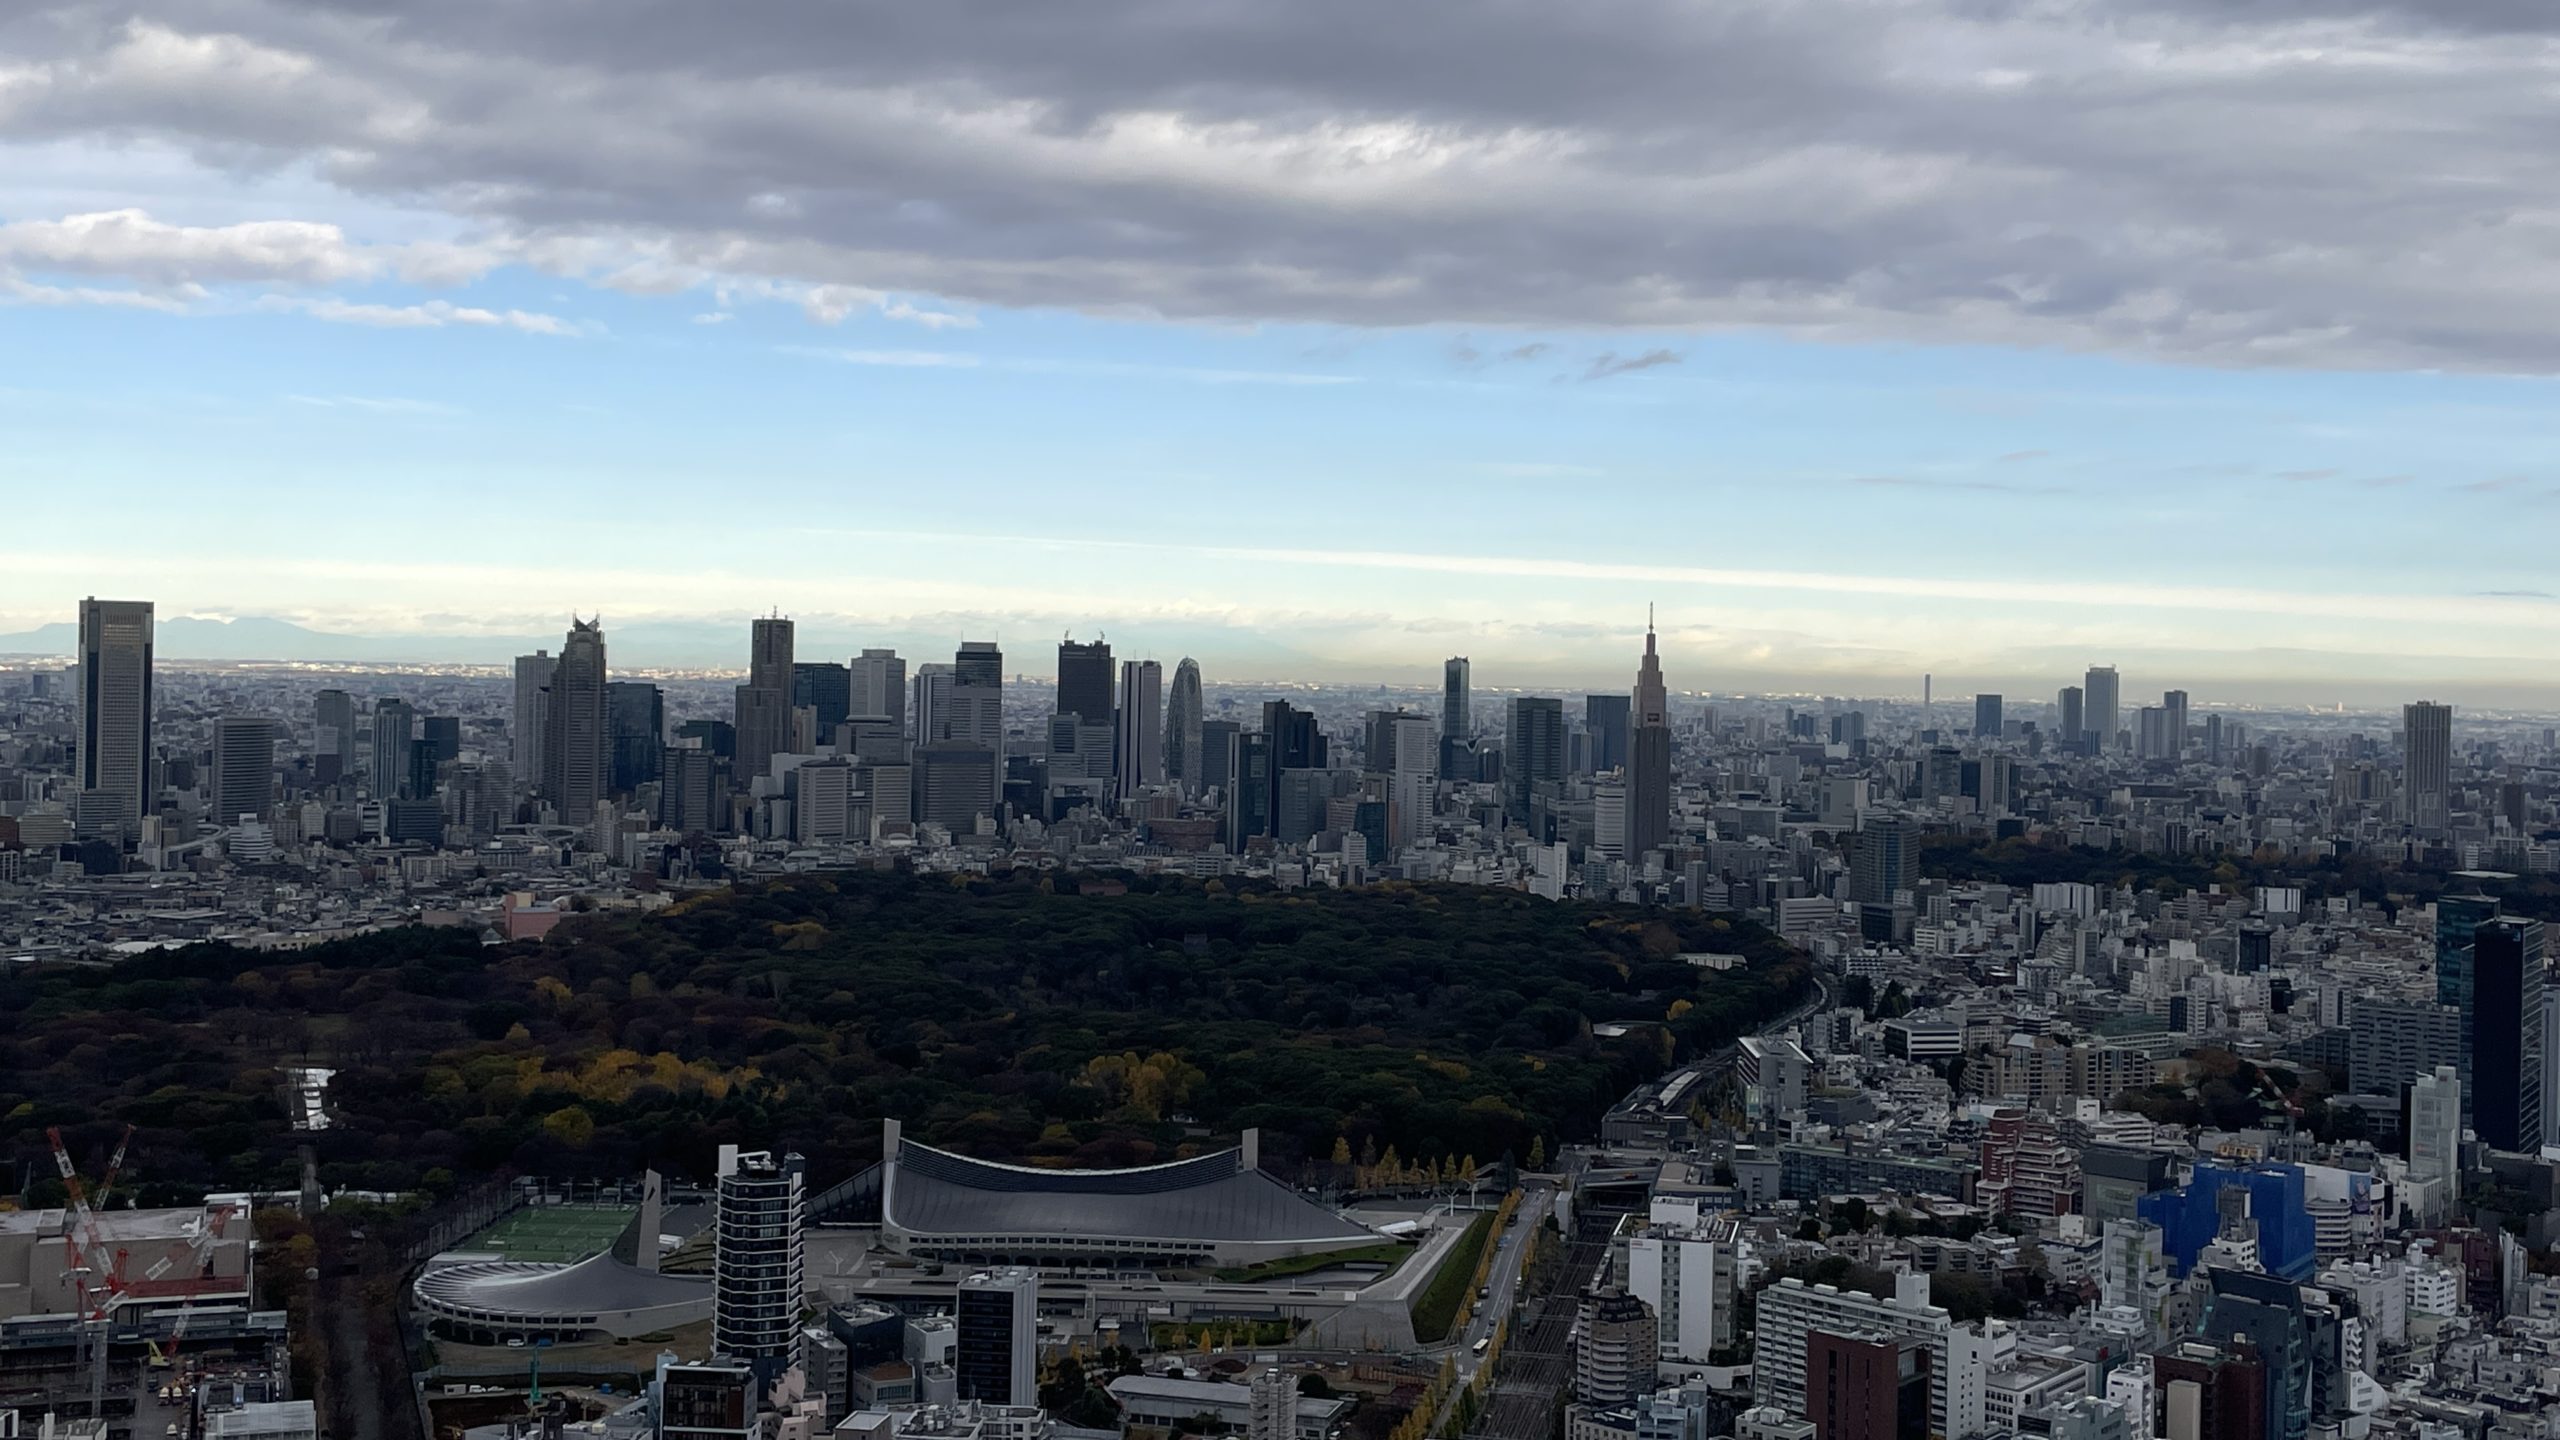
(552, 1232)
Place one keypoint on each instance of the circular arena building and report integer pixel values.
(1217, 1209)
(619, 1294)
(490, 1302)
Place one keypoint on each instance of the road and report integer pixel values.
(1537, 1361)
(1536, 1366)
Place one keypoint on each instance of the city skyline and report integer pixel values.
(1948, 381)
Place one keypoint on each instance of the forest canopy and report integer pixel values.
(1008, 1017)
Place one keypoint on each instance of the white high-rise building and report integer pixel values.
(997, 1352)
(1274, 1413)
(1790, 1311)
(115, 714)
(1690, 1277)
(2435, 1125)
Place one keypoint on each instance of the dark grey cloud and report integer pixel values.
(2239, 182)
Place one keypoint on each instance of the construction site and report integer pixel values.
(139, 1318)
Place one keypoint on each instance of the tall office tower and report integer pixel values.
(1532, 752)
(636, 718)
(1084, 680)
(2151, 733)
(1252, 791)
(763, 719)
(1605, 722)
(1986, 717)
(2269, 1314)
(425, 770)
(977, 709)
(1866, 1387)
(2428, 781)
(980, 663)
(2458, 919)
(115, 711)
(1139, 740)
(996, 1344)
(575, 756)
(764, 702)
(333, 744)
(717, 736)
(1216, 769)
(2070, 719)
(1615, 1359)
(532, 718)
(880, 686)
(1457, 716)
(2505, 1088)
(756, 1264)
(933, 702)
(2174, 703)
(1295, 744)
(953, 780)
(2099, 692)
(1883, 860)
(1182, 719)
(1412, 757)
(1649, 759)
(394, 726)
(244, 767)
(2435, 1124)
(769, 653)
(441, 736)
(825, 688)
(688, 790)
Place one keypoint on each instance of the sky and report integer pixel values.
(1860, 339)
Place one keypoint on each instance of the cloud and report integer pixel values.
(18, 290)
(1544, 470)
(375, 404)
(2155, 178)
(2016, 457)
(131, 244)
(1926, 482)
(1108, 369)
(1614, 364)
(2306, 475)
(900, 359)
(426, 315)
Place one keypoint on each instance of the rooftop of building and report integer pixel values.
(1209, 1198)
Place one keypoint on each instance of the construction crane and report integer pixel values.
(92, 1269)
(199, 1253)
